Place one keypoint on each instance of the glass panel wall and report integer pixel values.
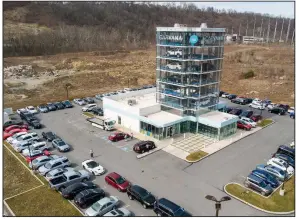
(227, 131)
(208, 130)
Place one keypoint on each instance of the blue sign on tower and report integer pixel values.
(193, 40)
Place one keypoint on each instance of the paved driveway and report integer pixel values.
(165, 175)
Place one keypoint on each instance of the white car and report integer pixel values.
(31, 109)
(21, 110)
(174, 52)
(27, 137)
(36, 146)
(15, 136)
(281, 164)
(80, 102)
(257, 105)
(225, 95)
(93, 167)
(249, 121)
(292, 145)
(291, 109)
(57, 172)
(271, 105)
(174, 66)
(102, 206)
(119, 212)
(89, 107)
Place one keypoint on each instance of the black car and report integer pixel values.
(277, 110)
(51, 107)
(35, 123)
(220, 93)
(50, 136)
(144, 146)
(227, 109)
(236, 112)
(97, 111)
(283, 106)
(248, 100)
(26, 116)
(142, 195)
(238, 101)
(165, 208)
(12, 122)
(246, 113)
(231, 96)
(59, 105)
(67, 104)
(88, 197)
(72, 190)
(88, 100)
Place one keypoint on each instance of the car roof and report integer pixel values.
(255, 178)
(114, 175)
(138, 188)
(70, 173)
(104, 200)
(286, 148)
(169, 204)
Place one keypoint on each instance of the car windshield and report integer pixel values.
(179, 212)
(35, 161)
(92, 164)
(48, 165)
(120, 180)
(111, 123)
(61, 143)
(263, 184)
(31, 108)
(118, 211)
(96, 206)
(144, 193)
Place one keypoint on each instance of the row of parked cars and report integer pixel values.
(266, 178)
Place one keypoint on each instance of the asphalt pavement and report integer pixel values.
(165, 175)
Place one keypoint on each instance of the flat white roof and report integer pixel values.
(142, 100)
(190, 29)
(217, 118)
(163, 117)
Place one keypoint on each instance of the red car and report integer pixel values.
(37, 153)
(117, 181)
(12, 132)
(9, 128)
(256, 118)
(117, 136)
(243, 125)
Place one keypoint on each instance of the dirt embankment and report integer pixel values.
(36, 80)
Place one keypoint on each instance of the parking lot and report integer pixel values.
(165, 175)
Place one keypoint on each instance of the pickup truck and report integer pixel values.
(61, 182)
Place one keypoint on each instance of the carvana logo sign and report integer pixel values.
(193, 39)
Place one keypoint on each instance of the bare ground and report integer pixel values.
(97, 72)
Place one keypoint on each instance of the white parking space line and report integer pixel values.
(127, 206)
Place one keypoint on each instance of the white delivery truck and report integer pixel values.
(101, 122)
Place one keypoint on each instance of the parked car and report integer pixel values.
(51, 107)
(238, 101)
(258, 184)
(236, 111)
(31, 109)
(247, 100)
(12, 127)
(99, 96)
(97, 111)
(89, 107)
(22, 145)
(291, 110)
(117, 181)
(227, 109)
(42, 108)
(49, 136)
(72, 190)
(59, 105)
(12, 122)
(243, 125)
(26, 137)
(292, 115)
(102, 206)
(257, 105)
(267, 177)
(283, 106)
(68, 178)
(89, 100)
(271, 105)
(278, 173)
(88, 197)
(93, 167)
(141, 195)
(35, 164)
(174, 66)
(61, 162)
(256, 117)
(12, 132)
(144, 146)
(27, 116)
(231, 96)
(220, 93)
(249, 121)
(35, 154)
(57, 172)
(67, 104)
(35, 123)
(117, 136)
(15, 136)
(281, 164)
(60, 145)
(174, 52)
(166, 208)
(80, 102)
(119, 212)
(246, 113)
(225, 95)
(277, 110)
(21, 110)
(290, 161)
(36, 146)
(282, 149)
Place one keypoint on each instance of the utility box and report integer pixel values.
(132, 102)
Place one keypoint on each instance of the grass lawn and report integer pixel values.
(41, 201)
(265, 122)
(275, 203)
(16, 177)
(195, 156)
(88, 114)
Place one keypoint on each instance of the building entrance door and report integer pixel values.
(169, 131)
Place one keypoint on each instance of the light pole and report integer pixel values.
(218, 203)
(281, 191)
(29, 148)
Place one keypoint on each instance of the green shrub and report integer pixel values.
(249, 74)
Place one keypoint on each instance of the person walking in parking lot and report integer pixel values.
(91, 153)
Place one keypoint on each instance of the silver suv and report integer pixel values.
(61, 162)
(258, 185)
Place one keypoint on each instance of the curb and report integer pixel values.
(8, 208)
(253, 206)
(229, 144)
(139, 156)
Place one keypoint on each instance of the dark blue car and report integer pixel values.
(286, 158)
(269, 179)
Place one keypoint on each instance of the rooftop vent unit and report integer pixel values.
(180, 25)
(132, 102)
(203, 25)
